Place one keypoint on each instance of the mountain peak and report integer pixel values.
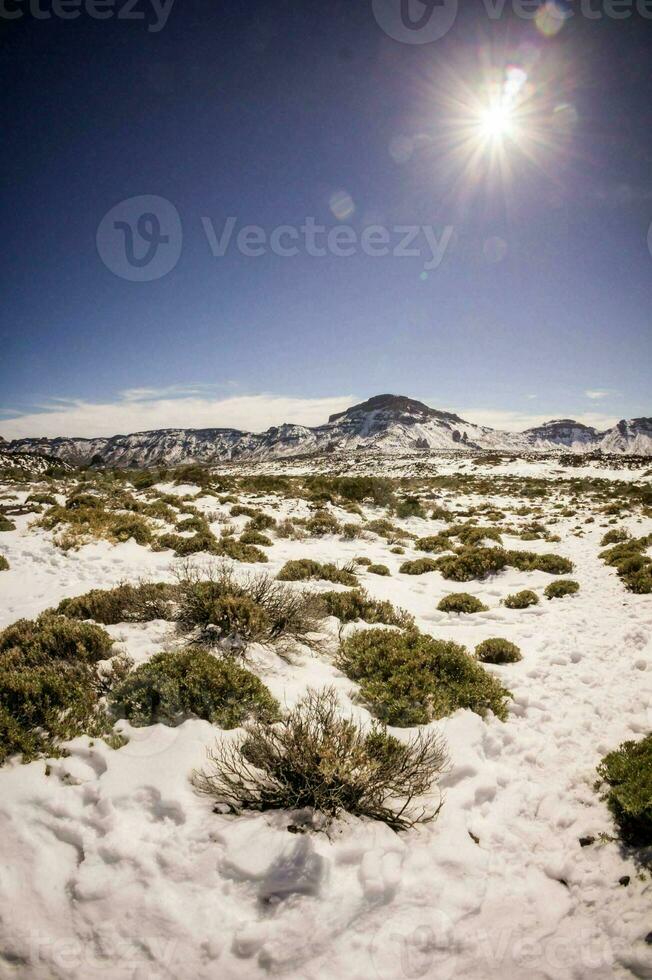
(393, 405)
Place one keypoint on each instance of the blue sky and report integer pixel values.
(539, 307)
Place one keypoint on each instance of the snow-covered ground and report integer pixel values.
(112, 867)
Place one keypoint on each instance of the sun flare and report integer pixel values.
(496, 121)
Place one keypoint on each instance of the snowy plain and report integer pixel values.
(112, 867)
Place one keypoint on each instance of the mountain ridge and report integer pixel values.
(389, 423)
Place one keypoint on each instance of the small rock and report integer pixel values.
(473, 837)
(586, 841)
(648, 939)
(624, 881)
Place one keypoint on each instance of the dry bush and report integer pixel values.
(219, 608)
(316, 758)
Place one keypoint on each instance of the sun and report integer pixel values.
(496, 121)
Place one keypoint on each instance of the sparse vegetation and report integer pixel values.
(315, 758)
(4, 564)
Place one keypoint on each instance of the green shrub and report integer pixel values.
(126, 526)
(615, 536)
(497, 651)
(261, 522)
(471, 534)
(351, 531)
(521, 600)
(355, 604)
(385, 529)
(628, 773)
(409, 507)
(561, 588)
(554, 564)
(461, 602)
(322, 522)
(255, 537)
(55, 638)
(160, 510)
(240, 551)
(319, 760)
(194, 523)
(50, 684)
(626, 549)
(472, 563)
(174, 686)
(397, 550)
(376, 489)
(4, 564)
(640, 582)
(6, 524)
(433, 543)
(41, 498)
(241, 511)
(288, 529)
(302, 569)
(124, 604)
(79, 500)
(410, 679)
(419, 566)
(633, 565)
(362, 561)
(203, 541)
(378, 570)
(529, 561)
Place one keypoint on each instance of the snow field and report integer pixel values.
(112, 866)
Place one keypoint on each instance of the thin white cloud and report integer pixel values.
(136, 411)
(595, 394)
(519, 421)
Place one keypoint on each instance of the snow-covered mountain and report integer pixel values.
(385, 423)
(32, 463)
